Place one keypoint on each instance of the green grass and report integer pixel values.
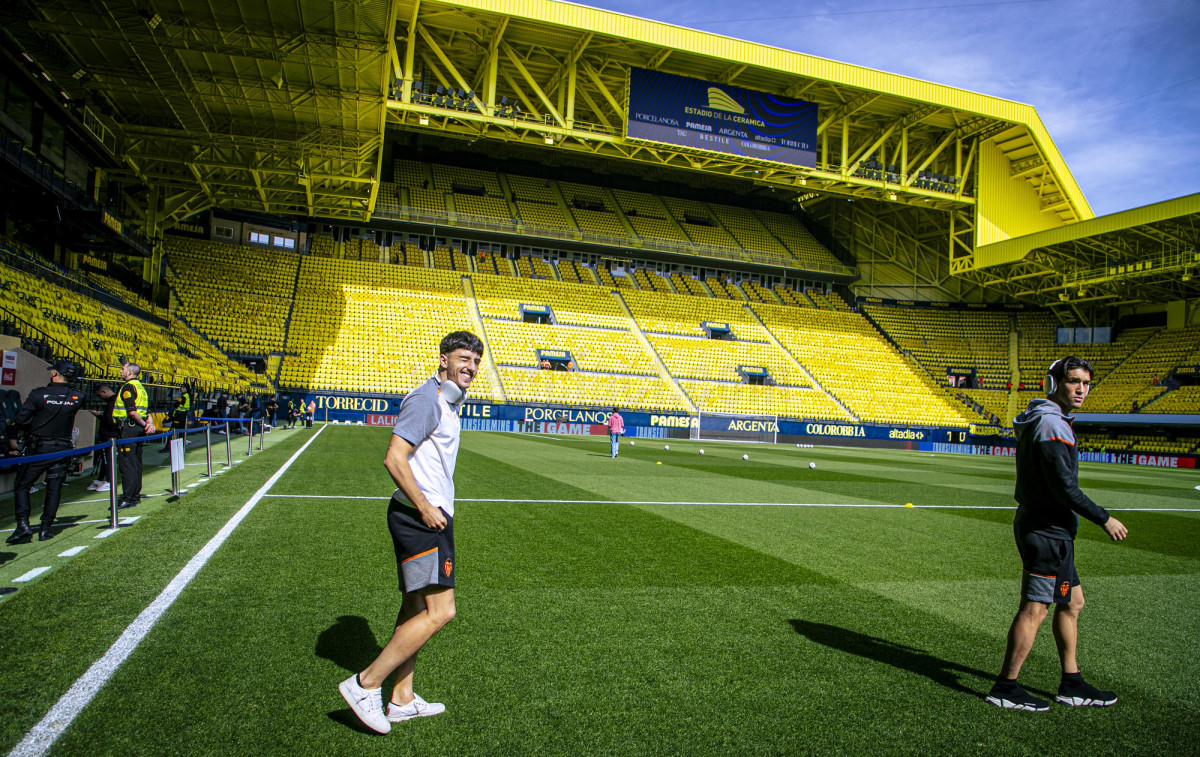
(603, 628)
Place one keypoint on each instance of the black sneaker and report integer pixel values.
(1082, 694)
(1015, 698)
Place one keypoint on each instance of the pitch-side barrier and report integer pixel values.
(177, 440)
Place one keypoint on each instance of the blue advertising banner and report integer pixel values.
(679, 110)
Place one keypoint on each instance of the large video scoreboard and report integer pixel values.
(678, 110)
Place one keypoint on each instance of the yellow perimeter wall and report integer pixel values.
(1006, 206)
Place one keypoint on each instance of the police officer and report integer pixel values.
(132, 414)
(48, 417)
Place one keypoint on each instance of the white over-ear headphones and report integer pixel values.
(451, 391)
(1049, 384)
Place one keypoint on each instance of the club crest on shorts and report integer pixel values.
(447, 567)
(1064, 589)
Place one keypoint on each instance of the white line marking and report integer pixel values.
(728, 504)
(72, 551)
(106, 533)
(30, 575)
(128, 520)
(43, 735)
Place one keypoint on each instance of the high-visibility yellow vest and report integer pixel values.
(141, 400)
(186, 404)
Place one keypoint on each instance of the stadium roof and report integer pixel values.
(283, 108)
(1147, 253)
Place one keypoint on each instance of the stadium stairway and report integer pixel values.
(477, 319)
(1014, 367)
(287, 323)
(800, 366)
(663, 373)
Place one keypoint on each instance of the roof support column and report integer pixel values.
(410, 50)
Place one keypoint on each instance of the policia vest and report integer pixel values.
(134, 390)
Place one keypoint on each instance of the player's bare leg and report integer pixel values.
(1066, 630)
(402, 690)
(1021, 635)
(411, 636)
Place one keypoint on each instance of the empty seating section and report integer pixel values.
(751, 235)
(792, 297)
(756, 292)
(390, 198)
(81, 328)
(454, 179)
(1163, 444)
(699, 223)
(689, 285)
(593, 350)
(322, 245)
(597, 216)
(807, 250)
(589, 389)
(950, 340)
(1133, 380)
(1185, 399)
(710, 396)
(576, 304)
(622, 216)
(619, 279)
(493, 207)
(651, 281)
(724, 289)
(237, 296)
(850, 359)
(682, 315)
(373, 328)
(719, 359)
(648, 217)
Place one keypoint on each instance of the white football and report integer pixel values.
(702, 452)
(666, 446)
(812, 465)
(745, 457)
(630, 442)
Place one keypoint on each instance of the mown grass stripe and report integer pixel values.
(43, 735)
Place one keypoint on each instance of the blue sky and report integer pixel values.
(1117, 82)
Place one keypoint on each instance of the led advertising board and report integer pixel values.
(679, 110)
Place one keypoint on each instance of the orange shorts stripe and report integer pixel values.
(1039, 575)
(426, 552)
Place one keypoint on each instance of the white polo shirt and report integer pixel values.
(432, 426)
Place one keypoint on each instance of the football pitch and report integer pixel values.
(707, 605)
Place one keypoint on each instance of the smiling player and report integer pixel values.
(420, 459)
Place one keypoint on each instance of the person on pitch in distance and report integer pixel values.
(1049, 504)
(616, 427)
(420, 459)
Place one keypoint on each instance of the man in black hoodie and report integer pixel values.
(1049, 504)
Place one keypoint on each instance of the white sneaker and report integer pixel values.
(367, 704)
(92, 486)
(103, 486)
(417, 708)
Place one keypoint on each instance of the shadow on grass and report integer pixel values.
(943, 672)
(6, 556)
(348, 719)
(349, 643)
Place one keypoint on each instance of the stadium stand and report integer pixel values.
(1139, 376)
(947, 340)
(366, 327)
(238, 296)
(80, 328)
(853, 361)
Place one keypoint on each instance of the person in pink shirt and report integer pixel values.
(616, 427)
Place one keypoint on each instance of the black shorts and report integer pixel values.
(1048, 573)
(424, 555)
